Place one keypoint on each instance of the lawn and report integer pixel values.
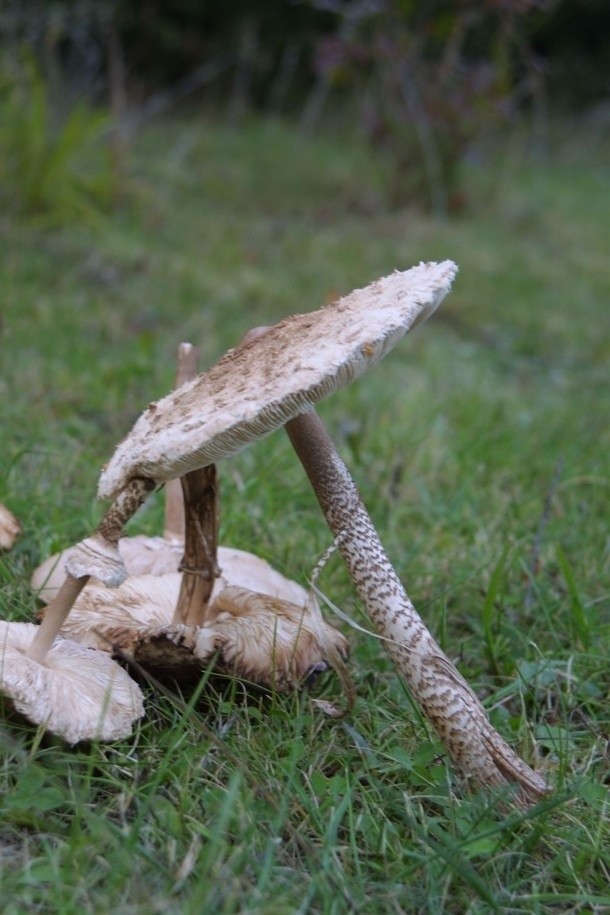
(481, 449)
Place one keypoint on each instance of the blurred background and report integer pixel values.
(426, 84)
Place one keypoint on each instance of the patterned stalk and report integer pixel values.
(444, 696)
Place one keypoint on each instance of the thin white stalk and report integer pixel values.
(55, 617)
(173, 528)
(109, 532)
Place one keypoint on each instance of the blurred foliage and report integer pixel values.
(54, 168)
(426, 81)
(276, 40)
(430, 86)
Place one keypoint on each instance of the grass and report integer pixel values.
(481, 449)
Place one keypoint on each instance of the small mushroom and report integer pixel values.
(141, 555)
(96, 556)
(9, 528)
(77, 693)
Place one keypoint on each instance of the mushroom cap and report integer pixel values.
(98, 558)
(157, 556)
(9, 528)
(77, 693)
(140, 609)
(265, 638)
(261, 385)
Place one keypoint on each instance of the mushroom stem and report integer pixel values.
(108, 532)
(445, 697)
(174, 503)
(191, 512)
(55, 616)
(199, 565)
(123, 508)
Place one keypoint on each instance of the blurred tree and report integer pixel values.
(424, 79)
(164, 40)
(429, 79)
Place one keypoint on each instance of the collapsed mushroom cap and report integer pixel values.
(78, 693)
(258, 387)
(158, 556)
(265, 638)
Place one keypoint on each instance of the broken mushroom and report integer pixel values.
(265, 638)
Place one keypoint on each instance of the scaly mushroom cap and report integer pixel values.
(259, 386)
(159, 556)
(78, 694)
(264, 638)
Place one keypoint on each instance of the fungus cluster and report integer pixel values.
(273, 379)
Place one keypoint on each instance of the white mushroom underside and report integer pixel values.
(77, 693)
(266, 639)
(258, 387)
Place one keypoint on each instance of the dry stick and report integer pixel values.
(109, 530)
(199, 566)
(191, 511)
(445, 697)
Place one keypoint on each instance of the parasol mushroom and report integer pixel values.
(265, 384)
(445, 697)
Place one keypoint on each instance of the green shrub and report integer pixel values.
(50, 167)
